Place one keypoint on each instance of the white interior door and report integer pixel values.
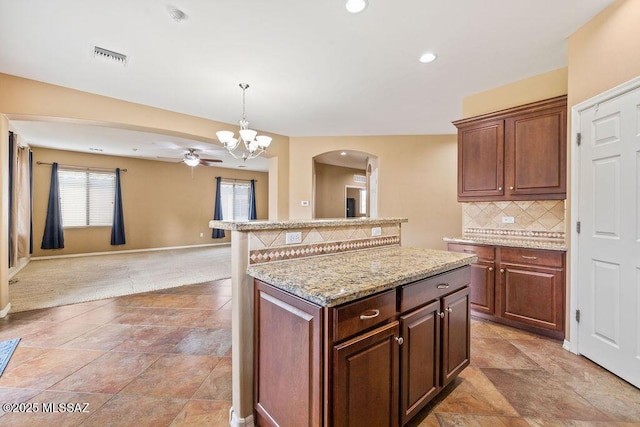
(608, 270)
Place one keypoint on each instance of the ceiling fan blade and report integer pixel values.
(210, 162)
(169, 159)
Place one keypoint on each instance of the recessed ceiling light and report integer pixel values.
(343, 153)
(356, 6)
(427, 57)
(176, 14)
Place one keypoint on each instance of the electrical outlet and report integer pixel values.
(508, 220)
(304, 203)
(293, 237)
(376, 231)
(201, 234)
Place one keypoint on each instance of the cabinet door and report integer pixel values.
(533, 295)
(536, 154)
(482, 295)
(481, 160)
(455, 334)
(420, 356)
(365, 379)
(287, 349)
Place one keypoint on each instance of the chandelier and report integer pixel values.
(252, 144)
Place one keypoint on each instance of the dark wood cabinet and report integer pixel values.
(374, 361)
(525, 289)
(532, 288)
(514, 154)
(365, 379)
(482, 292)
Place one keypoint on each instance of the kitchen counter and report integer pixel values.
(336, 279)
(516, 243)
(293, 224)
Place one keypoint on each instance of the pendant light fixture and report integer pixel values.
(252, 145)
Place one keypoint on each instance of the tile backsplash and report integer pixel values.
(540, 219)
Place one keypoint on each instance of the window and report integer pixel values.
(235, 200)
(86, 197)
(363, 201)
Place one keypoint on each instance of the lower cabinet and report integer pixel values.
(382, 358)
(520, 287)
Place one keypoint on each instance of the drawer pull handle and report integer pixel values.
(374, 313)
(449, 310)
(400, 340)
(443, 286)
(529, 257)
(469, 251)
(441, 314)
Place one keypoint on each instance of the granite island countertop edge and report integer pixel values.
(336, 279)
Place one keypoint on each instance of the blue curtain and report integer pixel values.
(11, 162)
(117, 230)
(217, 212)
(252, 200)
(53, 233)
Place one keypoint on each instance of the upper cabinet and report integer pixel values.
(514, 154)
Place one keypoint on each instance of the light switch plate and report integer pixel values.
(508, 220)
(293, 237)
(376, 231)
(304, 203)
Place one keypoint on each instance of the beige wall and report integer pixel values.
(536, 88)
(604, 53)
(164, 205)
(330, 189)
(417, 180)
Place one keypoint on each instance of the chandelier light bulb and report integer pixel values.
(356, 6)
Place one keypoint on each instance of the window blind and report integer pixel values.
(235, 201)
(86, 197)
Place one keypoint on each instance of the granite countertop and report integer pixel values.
(300, 223)
(331, 280)
(517, 243)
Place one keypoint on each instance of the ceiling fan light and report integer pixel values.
(192, 161)
(224, 136)
(248, 135)
(263, 140)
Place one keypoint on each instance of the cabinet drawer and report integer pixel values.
(419, 293)
(485, 252)
(351, 318)
(532, 257)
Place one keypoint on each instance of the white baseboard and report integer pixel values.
(235, 421)
(5, 311)
(128, 251)
(567, 346)
(22, 263)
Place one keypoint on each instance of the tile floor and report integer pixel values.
(163, 359)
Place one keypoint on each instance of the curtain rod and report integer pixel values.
(236, 179)
(82, 167)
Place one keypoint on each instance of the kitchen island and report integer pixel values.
(363, 338)
(262, 242)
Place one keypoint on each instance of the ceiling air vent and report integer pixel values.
(109, 54)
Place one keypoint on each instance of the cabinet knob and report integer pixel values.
(441, 314)
(366, 315)
(449, 310)
(511, 188)
(490, 268)
(499, 188)
(400, 340)
(502, 270)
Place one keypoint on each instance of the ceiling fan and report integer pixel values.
(191, 158)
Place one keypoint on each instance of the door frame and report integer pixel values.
(573, 344)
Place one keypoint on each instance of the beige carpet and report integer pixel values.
(54, 282)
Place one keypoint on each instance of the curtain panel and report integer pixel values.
(217, 211)
(20, 196)
(117, 230)
(53, 237)
(252, 200)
